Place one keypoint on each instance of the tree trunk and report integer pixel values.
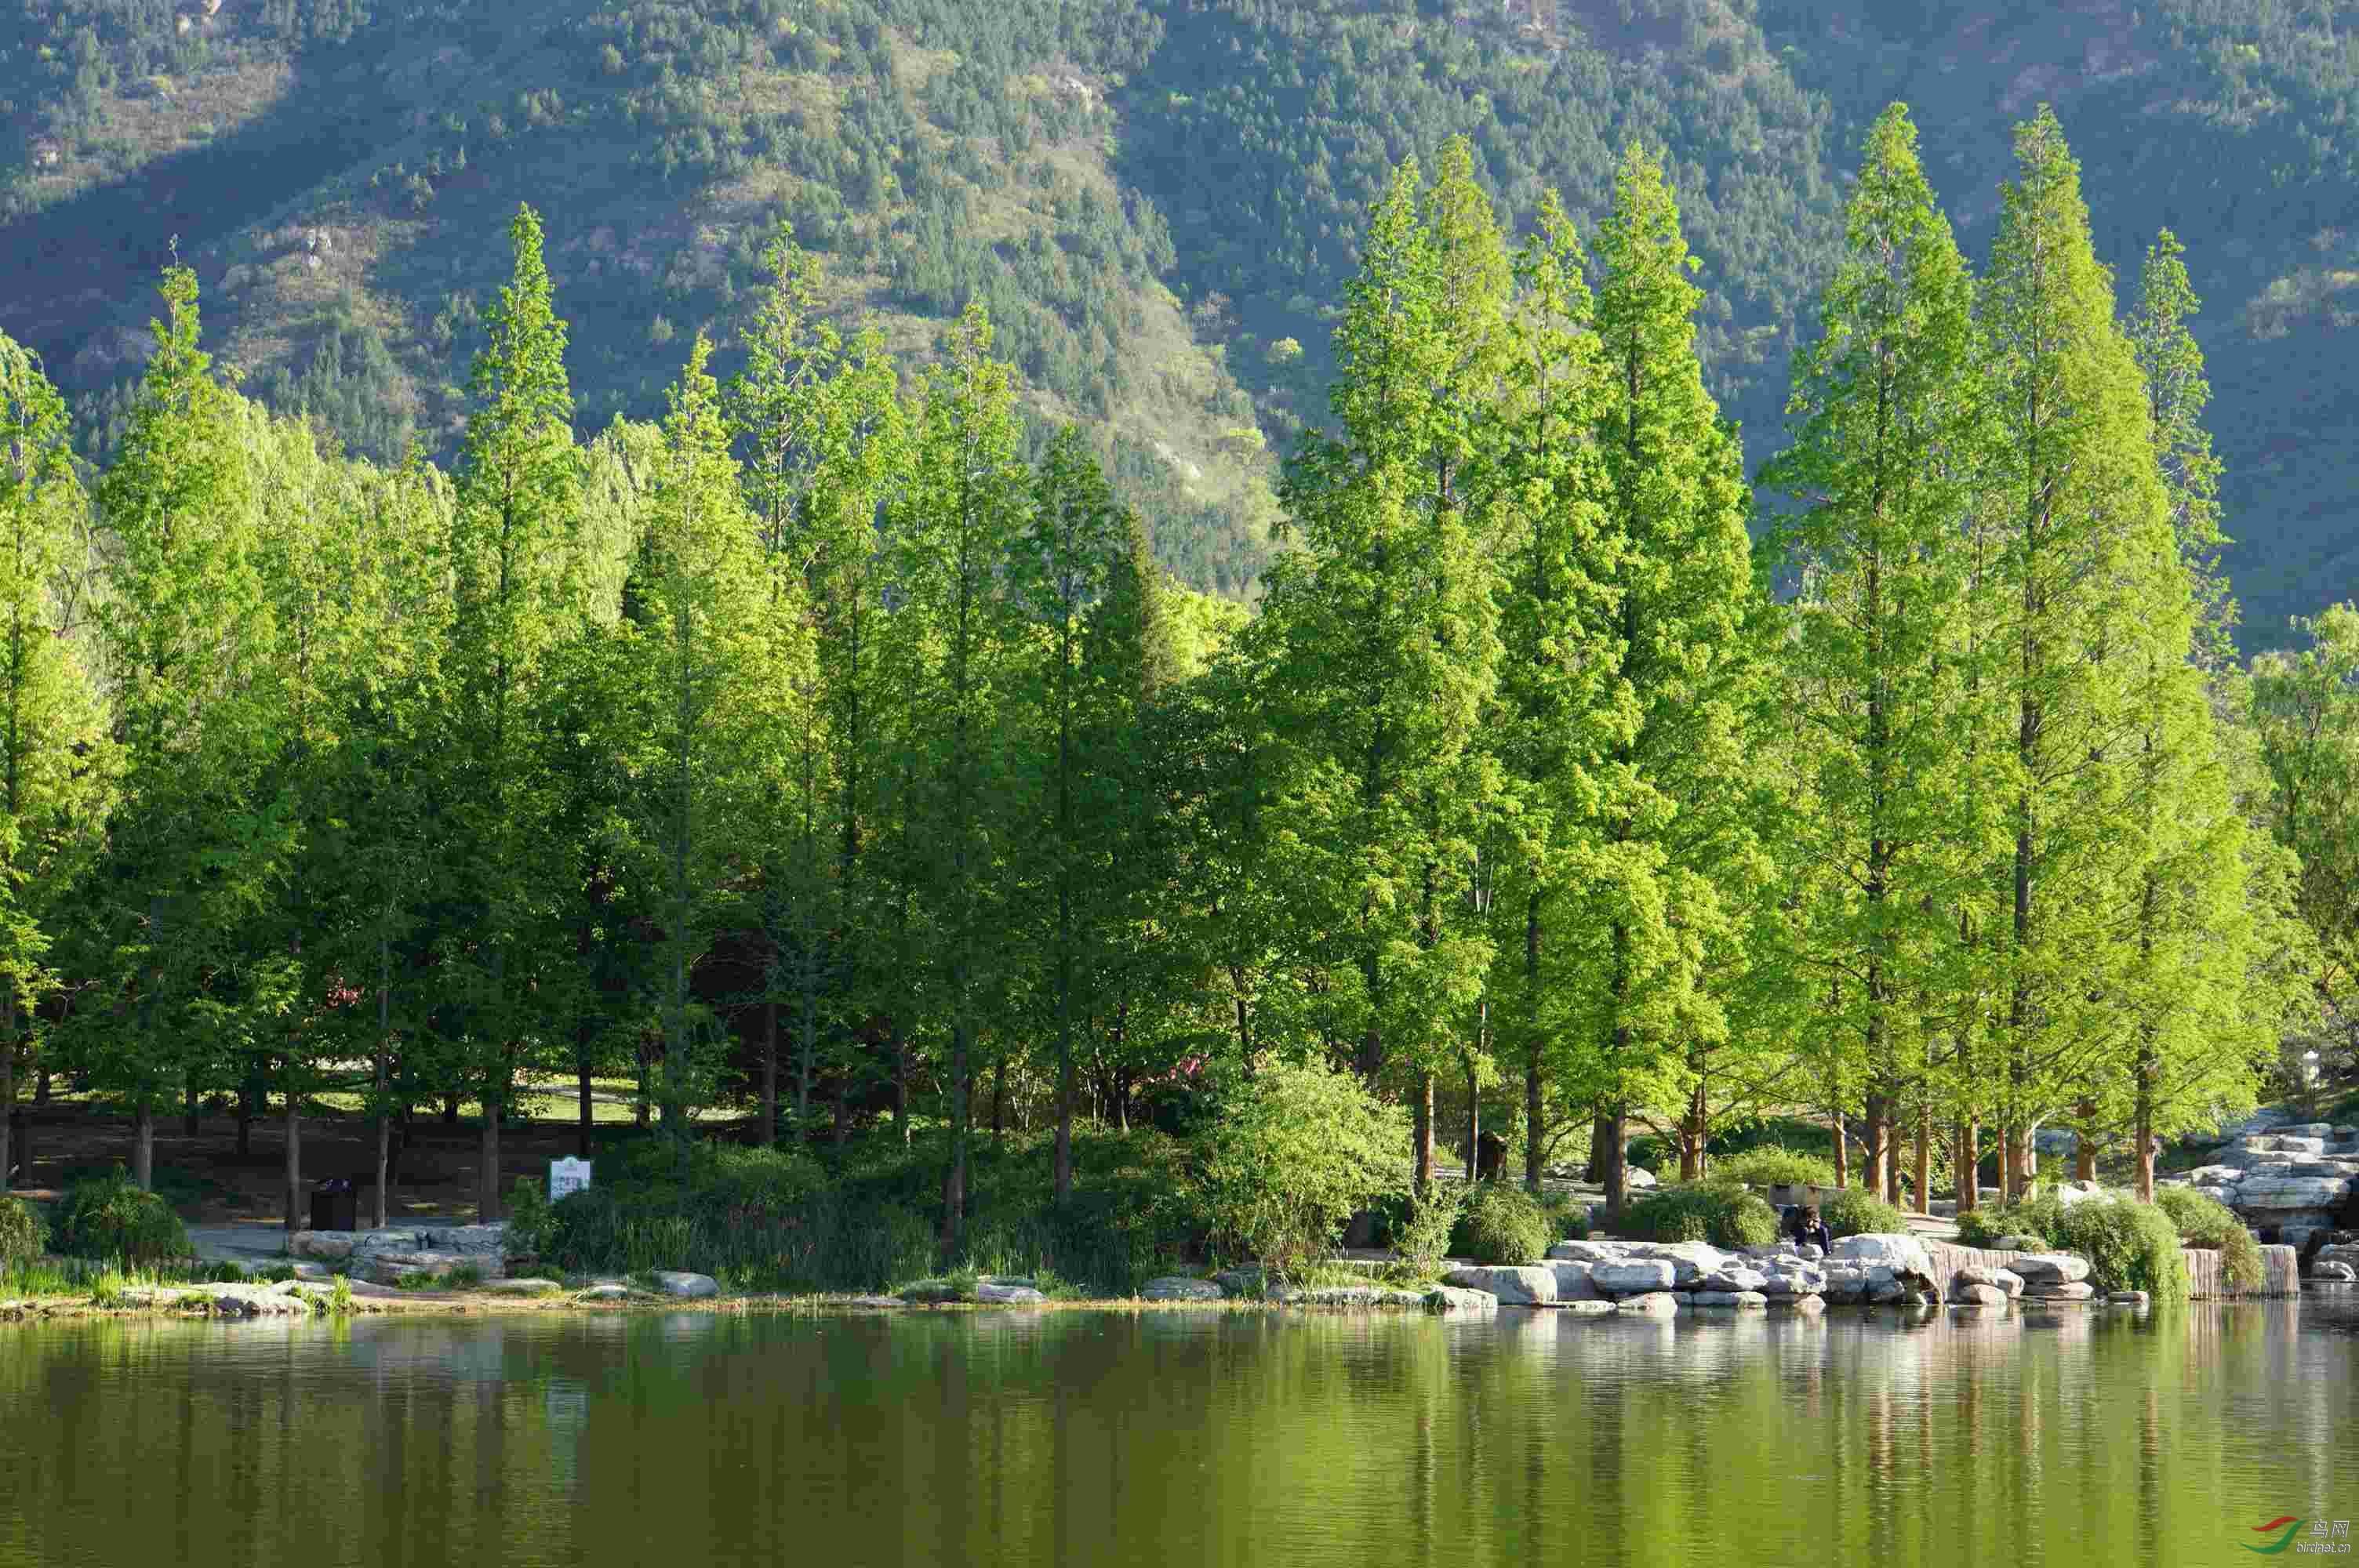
(142, 1147)
(8, 1098)
(585, 1105)
(189, 1108)
(2145, 1141)
(1474, 1123)
(2084, 1145)
(901, 1085)
(487, 1170)
(1422, 1133)
(297, 1219)
(842, 1128)
(1924, 1158)
(1876, 1167)
(1601, 1132)
(1533, 1099)
(1617, 1179)
(383, 1052)
(1842, 1149)
(999, 1101)
(450, 1110)
(246, 1112)
(41, 1087)
(770, 1071)
(1694, 1129)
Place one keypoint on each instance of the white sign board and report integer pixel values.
(567, 1177)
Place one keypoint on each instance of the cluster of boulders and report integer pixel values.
(1644, 1277)
(2292, 1179)
(403, 1257)
(2337, 1262)
(2034, 1276)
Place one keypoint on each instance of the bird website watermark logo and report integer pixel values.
(2322, 1538)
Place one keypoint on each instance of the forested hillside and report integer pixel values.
(1158, 200)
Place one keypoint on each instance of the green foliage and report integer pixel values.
(529, 1225)
(1768, 1165)
(111, 1218)
(1987, 1223)
(1853, 1212)
(1296, 1151)
(2130, 1246)
(1700, 1211)
(22, 1235)
(2206, 1222)
(1501, 1224)
(2203, 1220)
(1427, 1228)
(340, 1299)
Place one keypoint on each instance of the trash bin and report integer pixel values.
(335, 1205)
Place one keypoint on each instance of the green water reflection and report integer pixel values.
(1176, 1438)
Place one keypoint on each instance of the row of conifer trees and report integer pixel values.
(822, 746)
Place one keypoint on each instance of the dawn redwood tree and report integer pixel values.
(2092, 606)
(512, 555)
(1378, 636)
(58, 762)
(823, 423)
(2303, 706)
(714, 652)
(1679, 571)
(1885, 414)
(1552, 725)
(187, 633)
(954, 530)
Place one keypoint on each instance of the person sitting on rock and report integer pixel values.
(1811, 1230)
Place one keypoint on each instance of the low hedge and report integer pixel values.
(2130, 1246)
(1857, 1212)
(112, 1218)
(22, 1235)
(1500, 1223)
(1772, 1166)
(2207, 1222)
(1702, 1211)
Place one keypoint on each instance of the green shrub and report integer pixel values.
(1567, 1216)
(1702, 1211)
(111, 1218)
(1501, 1224)
(2240, 1259)
(778, 1220)
(2040, 1219)
(1771, 1166)
(23, 1236)
(1857, 1212)
(531, 1228)
(1296, 1151)
(2203, 1220)
(2130, 1246)
(1423, 1231)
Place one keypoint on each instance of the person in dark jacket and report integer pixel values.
(1811, 1230)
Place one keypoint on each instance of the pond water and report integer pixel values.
(1176, 1437)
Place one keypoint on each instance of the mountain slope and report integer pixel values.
(1156, 198)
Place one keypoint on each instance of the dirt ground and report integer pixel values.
(209, 1182)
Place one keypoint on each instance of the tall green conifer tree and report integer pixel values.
(58, 764)
(187, 631)
(1682, 582)
(956, 531)
(1380, 630)
(1887, 418)
(2090, 605)
(514, 559)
